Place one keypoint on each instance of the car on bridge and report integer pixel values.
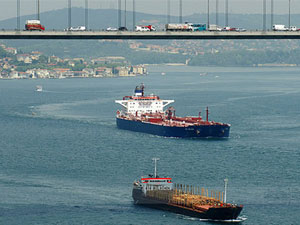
(230, 29)
(79, 28)
(241, 29)
(142, 28)
(111, 29)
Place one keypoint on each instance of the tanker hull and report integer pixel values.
(195, 131)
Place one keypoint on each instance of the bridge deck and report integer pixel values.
(147, 35)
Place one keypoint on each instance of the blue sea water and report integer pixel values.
(63, 161)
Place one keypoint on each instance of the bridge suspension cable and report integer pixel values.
(217, 12)
(180, 11)
(289, 14)
(207, 13)
(86, 14)
(168, 11)
(272, 14)
(119, 13)
(133, 14)
(226, 13)
(38, 9)
(264, 10)
(69, 14)
(125, 13)
(18, 15)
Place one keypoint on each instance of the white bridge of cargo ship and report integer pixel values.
(154, 182)
(138, 104)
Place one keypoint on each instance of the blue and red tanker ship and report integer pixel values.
(146, 114)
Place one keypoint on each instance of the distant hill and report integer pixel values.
(103, 18)
(98, 19)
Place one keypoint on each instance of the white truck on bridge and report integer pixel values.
(214, 27)
(179, 27)
(280, 27)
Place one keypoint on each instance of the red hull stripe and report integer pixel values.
(156, 178)
(146, 182)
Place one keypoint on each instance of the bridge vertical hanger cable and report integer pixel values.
(180, 11)
(155, 166)
(133, 15)
(125, 13)
(272, 14)
(69, 14)
(168, 11)
(18, 15)
(207, 14)
(86, 14)
(264, 14)
(217, 12)
(226, 13)
(119, 13)
(38, 10)
(289, 14)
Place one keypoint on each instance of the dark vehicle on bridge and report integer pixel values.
(123, 29)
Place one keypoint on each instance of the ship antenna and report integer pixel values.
(207, 114)
(143, 87)
(155, 161)
(225, 186)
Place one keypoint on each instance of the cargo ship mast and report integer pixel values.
(155, 162)
(225, 191)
